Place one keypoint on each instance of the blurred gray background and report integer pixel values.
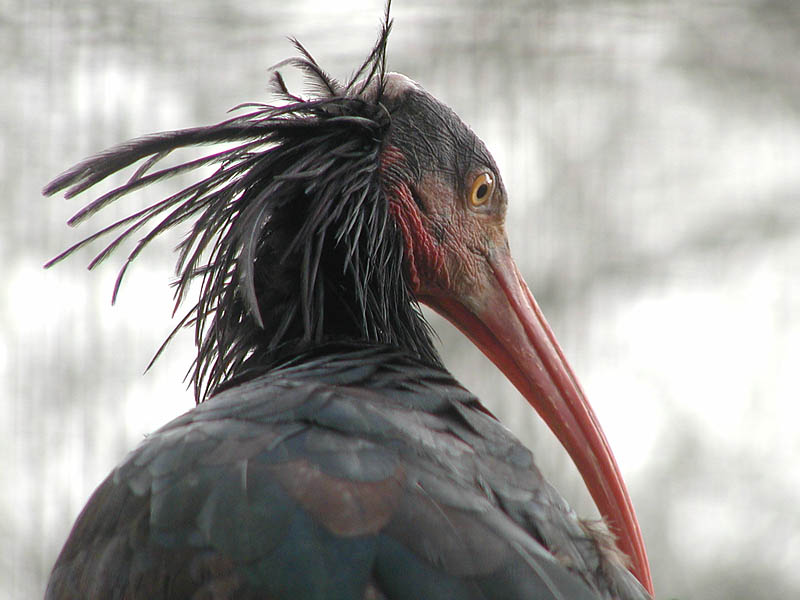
(651, 151)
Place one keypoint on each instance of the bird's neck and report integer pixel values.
(298, 315)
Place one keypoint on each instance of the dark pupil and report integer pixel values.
(482, 190)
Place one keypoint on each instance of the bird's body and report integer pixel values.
(333, 455)
(354, 471)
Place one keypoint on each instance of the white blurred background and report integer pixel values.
(651, 151)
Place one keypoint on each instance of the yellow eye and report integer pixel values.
(482, 189)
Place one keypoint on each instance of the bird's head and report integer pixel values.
(447, 198)
(331, 219)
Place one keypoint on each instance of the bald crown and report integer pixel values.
(395, 85)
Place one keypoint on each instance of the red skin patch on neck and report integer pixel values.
(424, 257)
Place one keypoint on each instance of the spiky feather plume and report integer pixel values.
(291, 239)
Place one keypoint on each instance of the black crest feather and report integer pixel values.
(290, 235)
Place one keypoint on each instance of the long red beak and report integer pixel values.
(505, 322)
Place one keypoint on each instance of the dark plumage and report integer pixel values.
(332, 456)
(322, 492)
(292, 225)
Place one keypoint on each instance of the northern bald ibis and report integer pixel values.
(331, 455)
